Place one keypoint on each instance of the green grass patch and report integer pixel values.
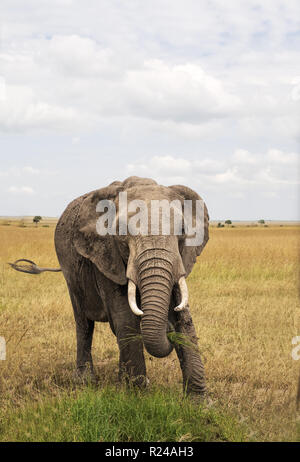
(177, 338)
(119, 414)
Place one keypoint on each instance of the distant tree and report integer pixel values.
(261, 222)
(220, 225)
(36, 219)
(228, 222)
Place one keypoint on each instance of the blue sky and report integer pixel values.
(202, 93)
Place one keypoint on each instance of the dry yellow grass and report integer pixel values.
(244, 301)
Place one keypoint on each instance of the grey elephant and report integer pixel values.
(135, 282)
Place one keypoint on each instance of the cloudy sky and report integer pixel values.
(204, 93)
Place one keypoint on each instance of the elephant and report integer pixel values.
(109, 276)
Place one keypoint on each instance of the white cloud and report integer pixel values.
(21, 190)
(77, 56)
(182, 93)
(192, 93)
(27, 171)
(279, 157)
(243, 168)
(187, 130)
(208, 165)
(164, 163)
(230, 176)
(33, 171)
(188, 76)
(71, 82)
(244, 157)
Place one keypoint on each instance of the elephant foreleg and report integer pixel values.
(132, 366)
(126, 327)
(188, 354)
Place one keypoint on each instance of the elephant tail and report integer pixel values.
(32, 268)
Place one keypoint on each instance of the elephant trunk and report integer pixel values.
(155, 285)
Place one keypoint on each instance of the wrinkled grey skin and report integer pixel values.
(97, 269)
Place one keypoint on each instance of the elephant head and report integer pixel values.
(150, 264)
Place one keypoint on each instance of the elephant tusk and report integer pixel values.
(184, 295)
(132, 298)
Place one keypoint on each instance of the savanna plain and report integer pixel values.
(244, 301)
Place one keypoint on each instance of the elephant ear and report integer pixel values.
(101, 250)
(190, 253)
